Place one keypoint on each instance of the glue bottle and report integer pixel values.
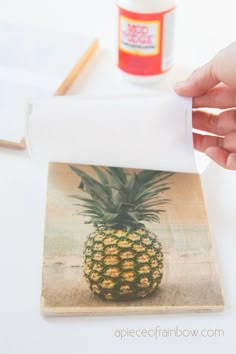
(146, 39)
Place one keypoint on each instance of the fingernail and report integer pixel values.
(231, 162)
(180, 84)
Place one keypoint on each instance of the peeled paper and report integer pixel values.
(135, 131)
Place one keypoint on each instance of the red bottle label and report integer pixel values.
(145, 42)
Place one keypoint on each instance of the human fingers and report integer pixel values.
(220, 96)
(218, 124)
(222, 68)
(221, 157)
(203, 142)
(199, 82)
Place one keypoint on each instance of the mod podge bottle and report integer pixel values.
(146, 39)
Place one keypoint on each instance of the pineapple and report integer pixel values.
(123, 260)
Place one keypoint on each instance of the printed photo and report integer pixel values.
(126, 241)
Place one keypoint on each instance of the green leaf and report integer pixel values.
(162, 177)
(125, 206)
(94, 188)
(134, 216)
(108, 217)
(152, 194)
(147, 204)
(91, 202)
(129, 189)
(102, 175)
(117, 174)
(82, 186)
(119, 199)
(147, 175)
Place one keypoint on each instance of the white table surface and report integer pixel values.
(203, 27)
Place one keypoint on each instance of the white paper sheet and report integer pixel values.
(33, 62)
(137, 131)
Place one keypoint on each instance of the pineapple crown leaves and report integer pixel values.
(121, 200)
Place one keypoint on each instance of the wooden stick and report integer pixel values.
(61, 91)
(13, 145)
(77, 69)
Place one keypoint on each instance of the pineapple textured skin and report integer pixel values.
(121, 265)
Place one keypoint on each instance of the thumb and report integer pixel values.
(222, 68)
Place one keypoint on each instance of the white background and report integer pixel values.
(203, 27)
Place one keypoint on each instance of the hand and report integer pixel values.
(214, 86)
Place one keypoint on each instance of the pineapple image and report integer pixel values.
(123, 260)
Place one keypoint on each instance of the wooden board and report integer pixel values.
(35, 62)
(190, 282)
